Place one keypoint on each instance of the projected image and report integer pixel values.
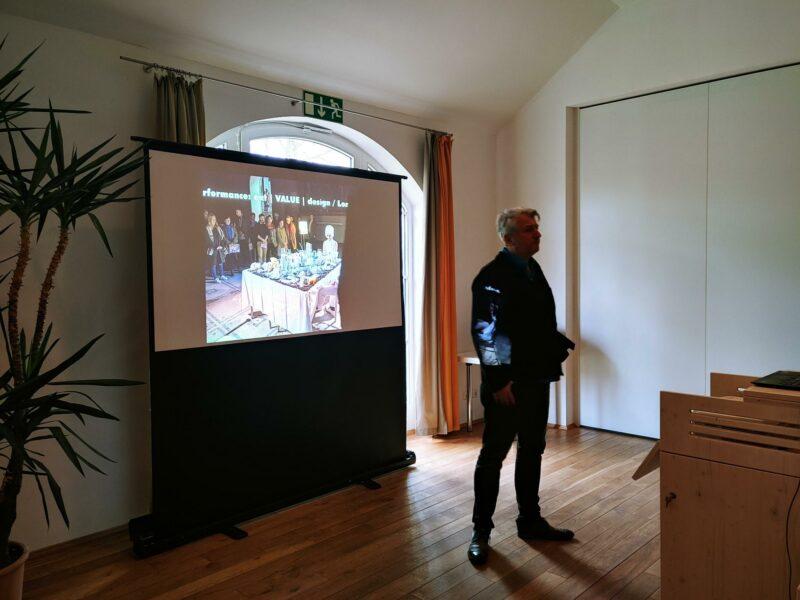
(273, 259)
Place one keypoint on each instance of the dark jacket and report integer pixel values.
(243, 227)
(214, 239)
(514, 323)
(231, 235)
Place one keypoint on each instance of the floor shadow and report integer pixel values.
(563, 554)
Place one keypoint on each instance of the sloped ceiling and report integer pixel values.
(480, 58)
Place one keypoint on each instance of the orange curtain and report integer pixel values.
(440, 411)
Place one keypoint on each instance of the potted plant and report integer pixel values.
(38, 179)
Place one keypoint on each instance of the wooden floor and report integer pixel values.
(408, 539)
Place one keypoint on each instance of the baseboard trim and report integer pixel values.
(413, 432)
(61, 547)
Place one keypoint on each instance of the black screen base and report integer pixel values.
(234, 533)
(149, 539)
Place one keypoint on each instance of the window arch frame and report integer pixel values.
(351, 159)
(239, 139)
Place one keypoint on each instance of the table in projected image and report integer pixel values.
(286, 306)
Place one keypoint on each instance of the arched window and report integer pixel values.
(334, 144)
(301, 149)
(301, 140)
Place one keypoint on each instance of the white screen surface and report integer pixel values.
(328, 261)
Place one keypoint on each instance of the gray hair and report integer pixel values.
(507, 220)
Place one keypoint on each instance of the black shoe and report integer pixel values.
(479, 547)
(542, 530)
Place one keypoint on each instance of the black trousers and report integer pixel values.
(527, 420)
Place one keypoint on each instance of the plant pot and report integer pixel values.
(11, 575)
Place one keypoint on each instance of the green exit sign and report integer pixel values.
(324, 107)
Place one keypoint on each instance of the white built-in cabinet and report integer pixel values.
(689, 243)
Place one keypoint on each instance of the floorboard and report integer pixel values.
(405, 540)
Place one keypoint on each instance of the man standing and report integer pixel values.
(253, 237)
(520, 351)
(243, 228)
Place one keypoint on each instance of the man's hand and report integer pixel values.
(505, 396)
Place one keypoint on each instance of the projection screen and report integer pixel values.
(277, 344)
(244, 252)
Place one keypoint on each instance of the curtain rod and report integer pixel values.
(294, 100)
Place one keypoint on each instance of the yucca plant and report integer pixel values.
(39, 179)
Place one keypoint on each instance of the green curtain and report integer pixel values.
(180, 114)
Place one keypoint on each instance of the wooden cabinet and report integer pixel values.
(730, 507)
(724, 531)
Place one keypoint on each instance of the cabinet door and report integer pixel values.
(723, 531)
(753, 223)
(642, 256)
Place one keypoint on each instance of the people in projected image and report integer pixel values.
(272, 238)
(291, 232)
(330, 245)
(261, 236)
(253, 237)
(283, 237)
(232, 244)
(283, 269)
(215, 248)
(243, 229)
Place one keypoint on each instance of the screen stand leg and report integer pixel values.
(370, 484)
(234, 532)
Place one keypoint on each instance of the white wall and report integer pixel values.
(753, 289)
(95, 293)
(645, 46)
(643, 177)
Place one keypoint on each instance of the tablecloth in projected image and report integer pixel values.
(287, 306)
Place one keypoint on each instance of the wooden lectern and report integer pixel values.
(730, 506)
